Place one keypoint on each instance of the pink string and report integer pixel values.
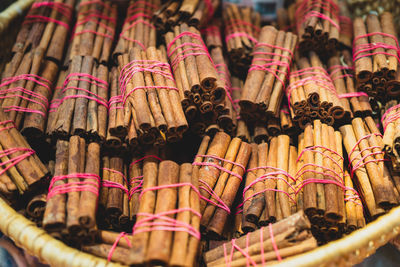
(274, 245)
(114, 246)
(354, 94)
(62, 8)
(240, 34)
(363, 50)
(112, 184)
(192, 50)
(136, 185)
(307, 9)
(115, 102)
(388, 118)
(26, 94)
(90, 183)
(143, 158)
(12, 161)
(136, 66)
(218, 166)
(237, 23)
(38, 18)
(361, 162)
(223, 71)
(147, 224)
(210, 9)
(7, 127)
(82, 77)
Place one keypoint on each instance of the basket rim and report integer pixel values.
(374, 235)
(384, 228)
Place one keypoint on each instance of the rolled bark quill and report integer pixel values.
(73, 192)
(286, 238)
(375, 57)
(265, 84)
(94, 30)
(368, 169)
(354, 208)
(346, 25)
(242, 130)
(242, 28)
(220, 174)
(83, 104)
(173, 183)
(115, 184)
(312, 94)
(391, 137)
(319, 26)
(137, 30)
(21, 171)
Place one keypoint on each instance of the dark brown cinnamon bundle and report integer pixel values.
(317, 25)
(265, 84)
(375, 56)
(21, 171)
(355, 103)
(153, 112)
(220, 165)
(289, 237)
(83, 102)
(346, 25)
(363, 143)
(137, 29)
(196, 13)
(113, 210)
(311, 93)
(391, 136)
(73, 192)
(242, 27)
(168, 220)
(28, 78)
(94, 30)
(201, 88)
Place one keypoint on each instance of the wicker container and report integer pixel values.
(344, 252)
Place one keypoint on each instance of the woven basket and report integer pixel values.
(344, 252)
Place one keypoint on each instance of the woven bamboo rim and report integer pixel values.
(344, 252)
(13, 11)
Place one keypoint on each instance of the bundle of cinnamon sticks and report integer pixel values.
(137, 29)
(82, 105)
(196, 13)
(311, 93)
(73, 192)
(318, 26)
(375, 56)
(242, 129)
(21, 171)
(341, 72)
(346, 25)
(378, 186)
(220, 164)
(202, 90)
(27, 87)
(391, 137)
(268, 195)
(168, 220)
(268, 245)
(113, 209)
(152, 110)
(94, 30)
(265, 84)
(242, 27)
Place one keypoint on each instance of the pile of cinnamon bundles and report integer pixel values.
(265, 83)
(379, 187)
(318, 26)
(242, 27)
(220, 164)
(71, 206)
(80, 106)
(21, 171)
(196, 13)
(28, 78)
(391, 137)
(152, 111)
(94, 30)
(268, 245)
(312, 94)
(375, 56)
(137, 29)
